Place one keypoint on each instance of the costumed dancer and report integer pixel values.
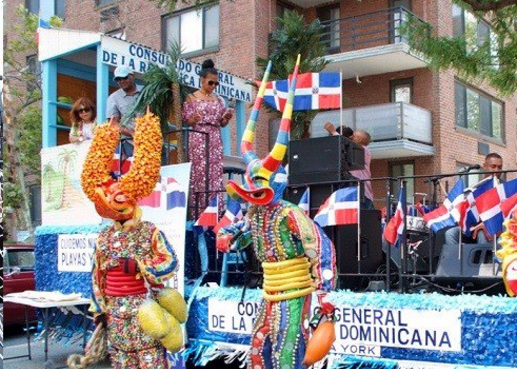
(508, 255)
(132, 257)
(297, 258)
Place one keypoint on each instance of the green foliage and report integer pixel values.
(12, 195)
(171, 4)
(28, 144)
(157, 92)
(296, 37)
(472, 61)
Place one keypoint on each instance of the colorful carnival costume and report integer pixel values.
(297, 258)
(508, 255)
(132, 257)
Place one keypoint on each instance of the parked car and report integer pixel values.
(18, 277)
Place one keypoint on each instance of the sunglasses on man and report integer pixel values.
(118, 79)
(213, 83)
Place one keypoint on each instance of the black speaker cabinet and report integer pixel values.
(345, 239)
(323, 159)
(477, 260)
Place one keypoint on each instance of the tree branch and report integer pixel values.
(477, 5)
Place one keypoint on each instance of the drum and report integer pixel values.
(416, 224)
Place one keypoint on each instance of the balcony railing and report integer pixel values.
(364, 31)
(385, 122)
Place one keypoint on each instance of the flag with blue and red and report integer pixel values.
(167, 192)
(495, 205)
(209, 217)
(315, 91)
(304, 202)
(120, 166)
(394, 229)
(340, 208)
(447, 215)
(232, 215)
(468, 211)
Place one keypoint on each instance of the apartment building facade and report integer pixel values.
(422, 122)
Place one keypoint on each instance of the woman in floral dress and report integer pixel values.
(205, 111)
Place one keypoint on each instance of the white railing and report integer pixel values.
(384, 122)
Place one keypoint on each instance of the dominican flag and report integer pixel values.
(469, 214)
(394, 228)
(314, 91)
(120, 167)
(209, 217)
(340, 208)
(495, 205)
(422, 209)
(448, 214)
(232, 215)
(166, 193)
(304, 202)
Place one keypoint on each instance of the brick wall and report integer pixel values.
(244, 30)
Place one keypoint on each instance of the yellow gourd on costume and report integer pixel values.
(173, 302)
(153, 320)
(173, 342)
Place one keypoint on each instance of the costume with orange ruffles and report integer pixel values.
(132, 257)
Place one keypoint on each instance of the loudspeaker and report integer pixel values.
(477, 260)
(323, 159)
(345, 239)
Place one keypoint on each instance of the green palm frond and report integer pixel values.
(157, 92)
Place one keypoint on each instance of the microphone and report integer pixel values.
(468, 168)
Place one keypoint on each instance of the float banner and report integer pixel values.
(63, 202)
(418, 329)
(139, 57)
(459, 330)
(359, 330)
(76, 252)
(232, 316)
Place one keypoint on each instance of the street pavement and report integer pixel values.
(15, 344)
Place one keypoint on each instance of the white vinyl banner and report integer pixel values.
(232, 316)
(359, 330)
(76, 252)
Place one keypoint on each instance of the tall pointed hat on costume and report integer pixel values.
(265, 179)
(117, 199)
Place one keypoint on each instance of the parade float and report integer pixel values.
(373, 329)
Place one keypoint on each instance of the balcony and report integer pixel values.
(370, 44)
(398, 130)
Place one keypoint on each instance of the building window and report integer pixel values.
(33, 6)
(34, 70)
(402, 170)
(401, 90)
(476, 31)
(106, 2)
(329, 16)
(193, 30)
(478, 112)
(281, 9)
(468, 180)
(59, 8)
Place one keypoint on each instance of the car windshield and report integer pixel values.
(23, 259)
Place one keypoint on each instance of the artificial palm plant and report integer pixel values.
(293, 38)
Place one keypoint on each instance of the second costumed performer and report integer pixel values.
(297, 258)
(132, 257)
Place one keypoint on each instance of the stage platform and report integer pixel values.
(374, 329)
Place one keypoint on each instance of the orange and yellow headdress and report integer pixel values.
(117, 199)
